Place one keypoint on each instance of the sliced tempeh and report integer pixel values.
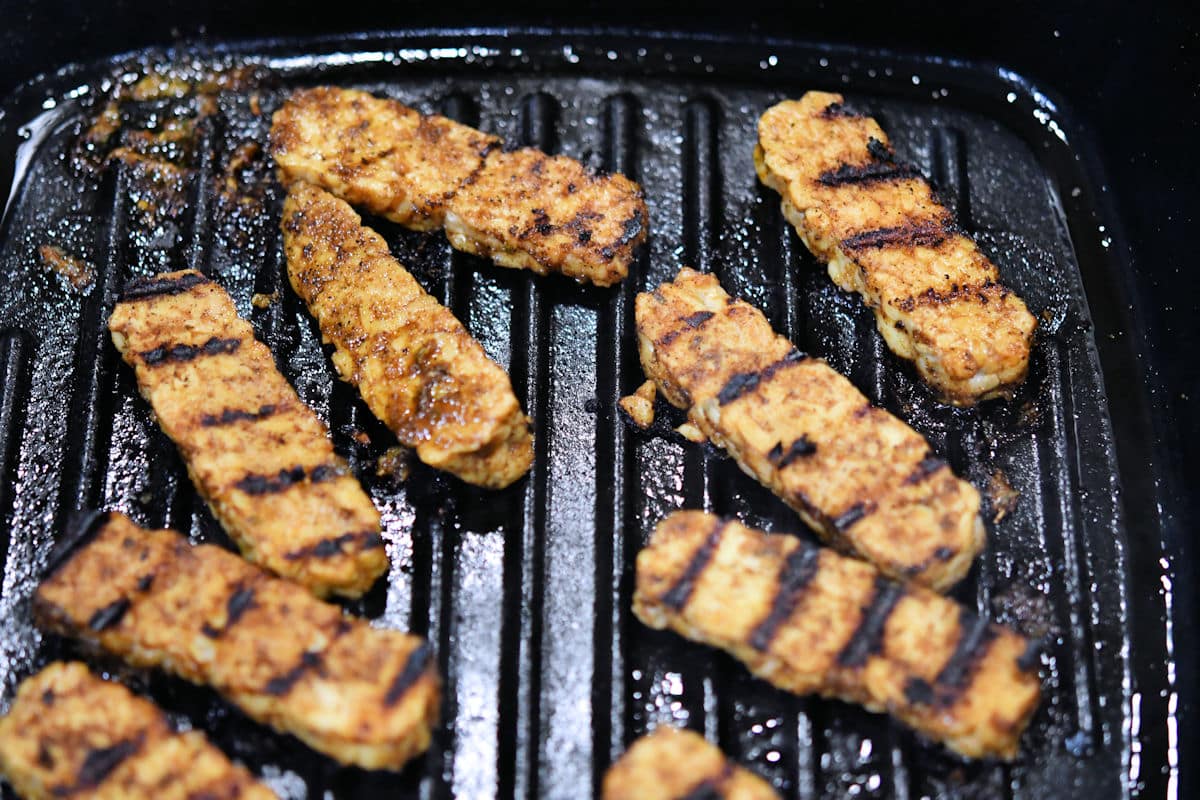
(257, 454)
(859, 476)
(811, 621)
(361, 695)
(937, 299)
(71, 734)
(677, 764)
(522, 209)
(416, 366)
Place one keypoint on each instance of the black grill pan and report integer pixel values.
(526, 592)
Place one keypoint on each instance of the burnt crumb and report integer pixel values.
(880, 151)
(840, 111)
(77, 272)
(394, 465)
(1002, 496)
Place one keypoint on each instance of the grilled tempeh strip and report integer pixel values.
(678, 764)
(416, 366)
(522, 209)
(809, 620)
(72, 734)
(860, 477)
(363, 696)
(878, 225)
(257, 454)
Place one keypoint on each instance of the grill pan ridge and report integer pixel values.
(525, 593)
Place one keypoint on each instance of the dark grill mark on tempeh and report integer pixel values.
(944, 553)
(110, 615)
(177, 353)
(232, 415)
(880, 151)
(238, 604)
(99, 763)
(868, 636)
(798, 449)
(918, 692)
(283, 684)
(81, 529)
(924, 468)
(840, 111)
(677, 596)
(690, 322)
(797, 572)
(1029, 660)
(928, 235)
(745, 382)
(711, 788)
(140, 288)
(874, 172)
(850, 516)
(975, 634)
(328, 548)
(285, 478)
(414, 668)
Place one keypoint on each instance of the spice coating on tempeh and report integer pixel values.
(678, 764)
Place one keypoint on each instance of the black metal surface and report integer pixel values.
(525, 593)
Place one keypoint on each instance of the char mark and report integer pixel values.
(798, 449)
(82, 528)
(140, 288)
(840, 111)
(918, 692)
(328, 548)
(282, 684)
(843, 522)
(975, 634)
(99, 763)
(690, 322)
(109, 616)
(927, 235)
(1029, 660)
(631, 228)
(238, 604)
(797, 572)
(873, 172)
(925, 467)
(868, 636)
(678, 595)
(232, 415)
(414, 668)
(178, 353)
(286, 478)
(880, 151)
(711, 788)
(745, 382)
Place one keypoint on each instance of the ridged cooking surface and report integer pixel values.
(526, 592)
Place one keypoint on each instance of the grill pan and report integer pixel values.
(526, 592)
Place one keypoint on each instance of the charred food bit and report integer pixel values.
(77, 272)
(640, 405)
(415, 365)
(522, 209)
(361, 695)
(811, 621)
(257, 454)
(675, 764)
(71, 734)
(876, 222)
(860, 477)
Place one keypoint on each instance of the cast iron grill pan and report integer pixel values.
(526, 593)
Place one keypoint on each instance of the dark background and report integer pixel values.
(1131, 74)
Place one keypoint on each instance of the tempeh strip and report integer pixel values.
(678, 764)
(71, 734)
(811, 621)
(522, 209)
(259, 456)
(860, 477)
(879, 226)
(415, 365)
(361, 695)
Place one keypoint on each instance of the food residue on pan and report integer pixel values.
(1002, 495)
(640, 405)
(395, 463)
(260, 300)
(78, 272)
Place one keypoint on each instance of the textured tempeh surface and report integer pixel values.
(258, 455)
(884, 234)
(811, 621)
(416, 366)
(678, 764)
(71, 734)
(522, 209)
(361, 695)
(858, 475)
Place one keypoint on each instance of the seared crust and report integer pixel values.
(677, 764)
(810, 621)
(259, 457)
(860, 477)
(71, 734)
(416, 366)
(363, 696)
(937, 299)
(522, 209)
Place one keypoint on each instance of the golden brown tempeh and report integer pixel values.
(811, 621)
(257, 454)
(416, 366)
(361, 695)
(877, 223)
(71, 734)
(677, 764)
(522, 209)
(860, 477)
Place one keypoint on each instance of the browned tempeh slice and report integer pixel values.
(937, 299)
(71, 734)
(522, 209)
(257, 454)
(860, 477)
(361, 695)
(416, 366)
(677, 764)
(811, 621)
